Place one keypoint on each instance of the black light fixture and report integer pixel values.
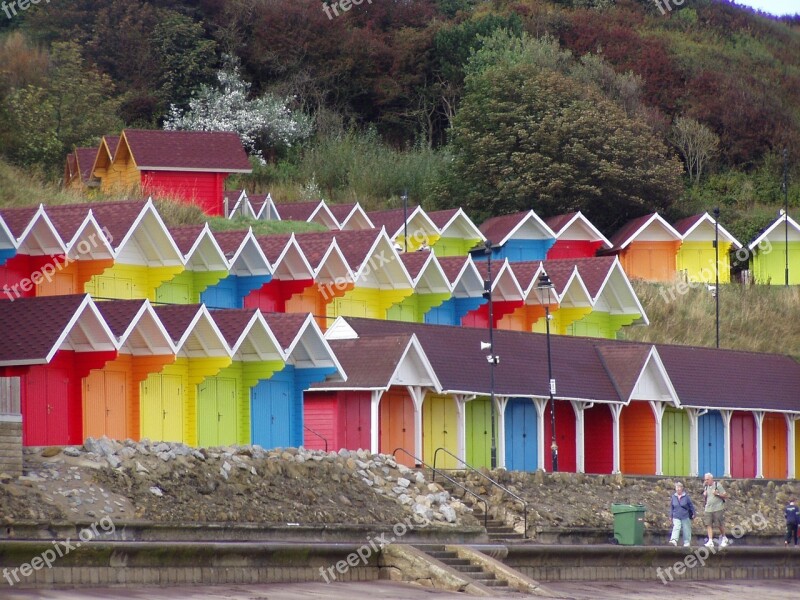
(405, 220)
(716, 270)
(491, 357)
(545, 289)
(786, 211)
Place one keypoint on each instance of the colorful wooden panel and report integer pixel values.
(598, 431)
(397, 425)
(711, 443)
(565, 437)
(774, 438)
(675, 442)
(637, 439)
(743, 445)
(522, 449)
(440, 430)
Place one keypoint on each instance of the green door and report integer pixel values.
(478, 415)
(675, 442)
(216, 412)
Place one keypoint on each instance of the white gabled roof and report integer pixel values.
(794, 231)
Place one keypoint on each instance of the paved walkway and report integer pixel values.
(626, 590)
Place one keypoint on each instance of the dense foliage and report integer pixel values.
(710, 84)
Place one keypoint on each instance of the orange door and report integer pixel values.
(775, 444)
(397, 425)
(637, 431)
(106, 403)
(94, 405)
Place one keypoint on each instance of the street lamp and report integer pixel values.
(405, 220)
(716, 270)
(786, 211)
(545, 288)
(492, 357)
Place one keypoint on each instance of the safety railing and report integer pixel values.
(497, 484)
(319, 435)
(420, 462)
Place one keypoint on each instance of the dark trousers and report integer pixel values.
(791, 533)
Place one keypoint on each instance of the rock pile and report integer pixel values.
(167, 482)
(574, 500)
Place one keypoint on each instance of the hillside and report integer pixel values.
(759, 318)
(384, 85)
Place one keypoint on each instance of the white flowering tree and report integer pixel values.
(263, 122)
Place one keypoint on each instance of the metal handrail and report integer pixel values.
(418, 461)
(492, 481)
(319, 435)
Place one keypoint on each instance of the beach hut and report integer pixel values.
(647, 248)
(770, 252)
(248, 270)
(51, 344)
(518, 236)
(205, 263)
(457, 233)
(169, 398)
(576, 237)
(351, 217)
(111, 393)
(467, 288)
(430, 284)
(697, 257)
(409, 231)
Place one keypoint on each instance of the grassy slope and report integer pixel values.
(18, 188)
(759, 318)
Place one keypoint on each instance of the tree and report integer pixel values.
(696, 143)
(263, 123)
(527, 137)
(73, 107)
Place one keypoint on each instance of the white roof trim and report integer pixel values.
(779, 221)
(723, 232)
(654, 217)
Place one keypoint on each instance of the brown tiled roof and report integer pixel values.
(115, 216)
(496, 229)
(441, 218)
(17, 219)
(314, 247)
(525, 271)
(257, 201)
(214, 151)
(230, 241)
(177, 318)
(593, 270)
(296, 211)
(686, 224)
(627, 230)
(285, 326)
(85, 161)
(460, 365)
(354, 244)
(341, 211)
(118, 314)
(369, 361)
(452, 266)
(624, 363)
(707, 377)
(391, 219)
(185, 237)
(273, 245)
(112, 141)
(558, 222)
(414, 261)
(232, 322)
(31, 326)
(67, 218)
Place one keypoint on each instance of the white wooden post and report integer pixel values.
(616, 410)
(758, 415)
(541, 406)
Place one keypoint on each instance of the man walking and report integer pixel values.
(715, 496)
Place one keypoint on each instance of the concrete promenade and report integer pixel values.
(585, 590)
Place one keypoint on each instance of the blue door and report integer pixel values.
(711, 443)
(522, 449)
(271, 402)
(222, 294)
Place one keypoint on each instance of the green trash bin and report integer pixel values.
(628, 524)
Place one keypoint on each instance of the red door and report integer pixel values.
(743, 445)
(598, 433)
(355, 426)
(320, 420)
(565, 437)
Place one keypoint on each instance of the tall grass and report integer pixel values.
(759, 318)
(353, 166)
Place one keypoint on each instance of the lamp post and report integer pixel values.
(405, 220)
(492, 357)
(545, 288)
(786, 211)
(716, 270)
